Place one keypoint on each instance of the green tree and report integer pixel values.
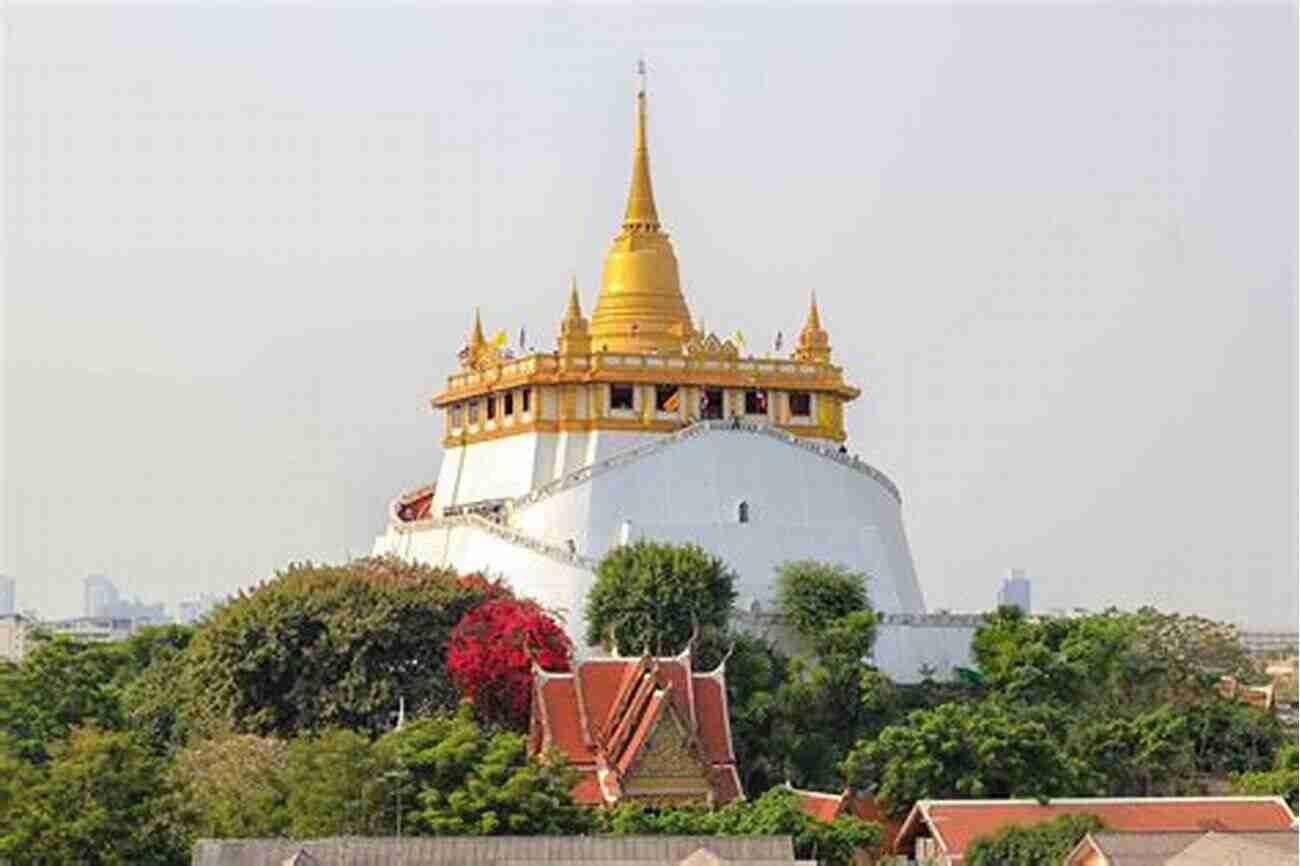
(232, 786)
(1146, 756)
(651, 595)
(326, 646)
(756, 672)
(336, 785)
(776, 812)
(98, 801)
(1231, 737)
(812, 595)
(964, 751)
(1281, 781)
(457, 780)
(59, 685)
(1044, 843)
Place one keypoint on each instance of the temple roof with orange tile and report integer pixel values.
(602, 714)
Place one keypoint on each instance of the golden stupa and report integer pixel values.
(640, 307)
(640, 365)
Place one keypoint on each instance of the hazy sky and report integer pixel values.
(1056, 246)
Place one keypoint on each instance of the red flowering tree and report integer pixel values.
(491, 651)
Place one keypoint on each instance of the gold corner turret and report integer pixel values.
(814, 343)
(575, 335)
(640, 307)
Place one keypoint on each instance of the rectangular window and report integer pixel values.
(473, 411)
(523, 399)
(755, 402)
(456, 412)
(491, 407)
(800, 404)
(666, 398)
(711, 403)
(621, 397)
(508, 403)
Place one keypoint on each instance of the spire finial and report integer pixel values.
(476, 335)
(814, 317)
(575, 307)
(641, 214)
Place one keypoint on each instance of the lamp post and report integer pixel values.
(397, 777)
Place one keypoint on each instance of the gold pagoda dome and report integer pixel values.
(640, 307)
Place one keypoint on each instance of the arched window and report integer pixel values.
(742, 512)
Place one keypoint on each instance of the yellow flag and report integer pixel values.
(738, 339)
(499, 339)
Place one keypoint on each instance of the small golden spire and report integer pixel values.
(814, 343)
(641, 214)
(476, 335)
(575, 308)
(575, 336)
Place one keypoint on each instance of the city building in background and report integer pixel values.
(1015, 591)
(14, 631)
(8, 595)
(101, 599)
(92, 629)
(99, 594)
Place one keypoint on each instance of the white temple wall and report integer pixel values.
(903, 650)
(486, 470)
(556, 585)
(801, 505)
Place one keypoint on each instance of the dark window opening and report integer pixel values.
(711, 403)
(455, 415)
(800, 404)
(523, 399)
(491, 408)
(621, 397)
(666, 398)
(742, 512)
(508, 403)
(473, 411)
(755, 402)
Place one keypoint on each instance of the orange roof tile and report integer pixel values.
(711, 716)
(560, 718)
(956, 823)
(823, 807)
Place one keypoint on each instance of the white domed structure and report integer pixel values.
(640, 425)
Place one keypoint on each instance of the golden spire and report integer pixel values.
(640, 307)
(814, 318)
(814, 343)
(476, 334)
(574, 339)
(575, 309)
(641, 214)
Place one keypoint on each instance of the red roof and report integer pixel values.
(956, 823)
(827, 807)
(617, 702)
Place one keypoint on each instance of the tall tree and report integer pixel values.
(650, 595)
(812, 595)
(322, 646)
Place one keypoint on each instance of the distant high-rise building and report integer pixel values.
(1015, 591)
(102, 599)
(8, 595)
(193, 609)
(99, 596)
